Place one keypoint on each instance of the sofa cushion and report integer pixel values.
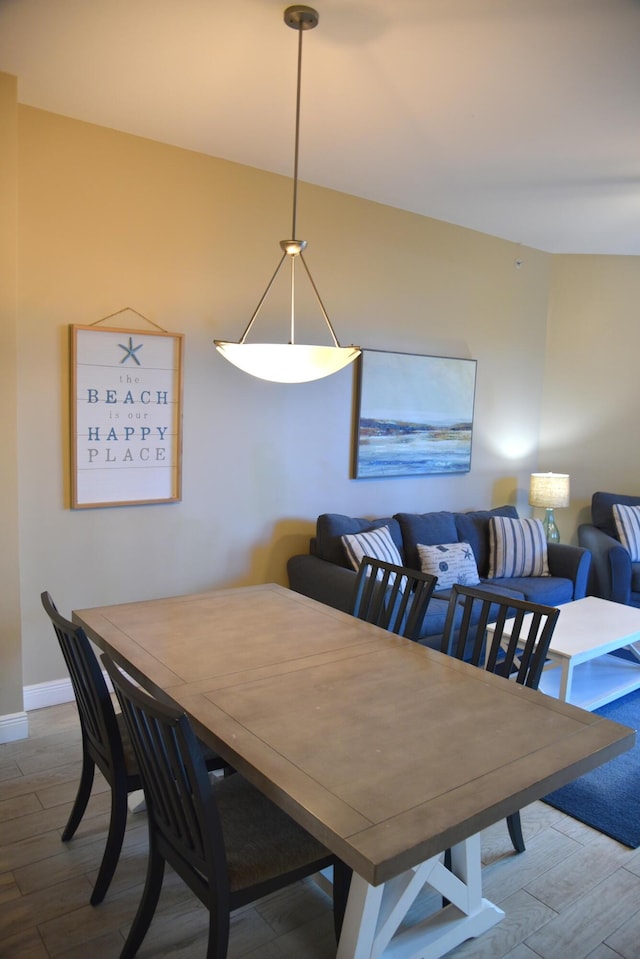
(427, 528)
(504, 587)
(450, 562)
(517, 548)
(473, 528)
(433, 624)
(627, 520)
(376, 543)
(548, 590)
(331, 527)
(602, 510)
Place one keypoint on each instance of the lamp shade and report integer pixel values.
(287, 362)
(549, 490)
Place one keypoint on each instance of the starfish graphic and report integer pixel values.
(130, 351)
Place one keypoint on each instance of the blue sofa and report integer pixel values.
(613, 575)
(325, 574)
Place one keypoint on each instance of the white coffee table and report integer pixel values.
(580, 670)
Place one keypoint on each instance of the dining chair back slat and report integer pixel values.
(519, 651)
(393, 597)
(515, 646)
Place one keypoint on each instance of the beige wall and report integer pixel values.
(107, 221)
(10, 648)
(591, 393)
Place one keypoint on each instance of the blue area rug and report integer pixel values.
(608, 798)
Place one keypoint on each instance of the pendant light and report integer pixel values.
(290, 362)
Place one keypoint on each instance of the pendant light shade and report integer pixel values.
(290, 362)
(287, 362)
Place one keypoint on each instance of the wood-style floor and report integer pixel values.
(574, 894)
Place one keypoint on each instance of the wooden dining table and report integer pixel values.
(387, 752)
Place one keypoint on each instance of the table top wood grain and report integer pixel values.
(386, 751)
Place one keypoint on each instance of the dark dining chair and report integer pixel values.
(105, 743)
(393, 597)
(227, 841)
(517, 651)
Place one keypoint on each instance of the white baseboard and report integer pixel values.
(47, 694)
(13, 726)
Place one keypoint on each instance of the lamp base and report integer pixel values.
(551, 531)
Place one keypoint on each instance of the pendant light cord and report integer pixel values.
(297, 137)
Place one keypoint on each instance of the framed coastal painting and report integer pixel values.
(126, 417)
(414, 414)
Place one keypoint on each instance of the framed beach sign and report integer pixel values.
(126, 416)
(414, 414)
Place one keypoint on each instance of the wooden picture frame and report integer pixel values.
(126, 416)
(414, 414)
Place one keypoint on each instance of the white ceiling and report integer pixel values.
(518, 118)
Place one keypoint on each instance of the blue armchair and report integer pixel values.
(613, 575)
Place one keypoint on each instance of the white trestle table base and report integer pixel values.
(375, 913)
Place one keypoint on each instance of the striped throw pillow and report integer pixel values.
(377, 543)
(517, 547)
(627, 520)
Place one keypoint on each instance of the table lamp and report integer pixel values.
(549, 490)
